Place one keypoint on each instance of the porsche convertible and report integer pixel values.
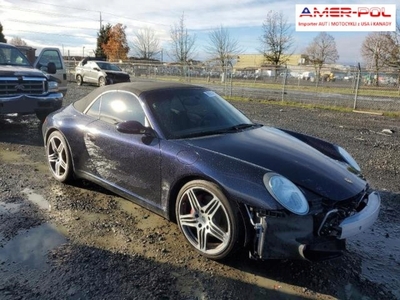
(185, 153)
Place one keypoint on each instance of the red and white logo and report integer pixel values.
(345, 17)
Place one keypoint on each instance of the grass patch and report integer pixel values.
(307, 105)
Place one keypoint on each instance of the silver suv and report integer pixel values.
(99, 72)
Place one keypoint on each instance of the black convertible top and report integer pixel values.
(136, 88)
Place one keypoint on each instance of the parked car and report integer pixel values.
(307, 75)
(185, 153)
(25, 89)
(99, 72)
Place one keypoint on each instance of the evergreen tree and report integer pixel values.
(2, 38)
(102, 39)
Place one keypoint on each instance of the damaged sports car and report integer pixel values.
(185, 153)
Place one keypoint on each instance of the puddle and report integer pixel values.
(16, 158)
(380, 251)
(30, 248)
(37, 199)
(9, 156)
(9, 208)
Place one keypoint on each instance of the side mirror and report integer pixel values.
(96, 69)
(51, 68)
(133, 127)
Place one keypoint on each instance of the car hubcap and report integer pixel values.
(57, 157)
(204, 221)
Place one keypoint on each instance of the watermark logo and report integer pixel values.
(346, 17)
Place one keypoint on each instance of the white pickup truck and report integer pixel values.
(31, 89)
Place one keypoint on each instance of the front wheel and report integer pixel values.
(208, 220)
(59, 157)
(79, 80)
(102, 81)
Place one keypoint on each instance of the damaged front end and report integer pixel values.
(319, 235)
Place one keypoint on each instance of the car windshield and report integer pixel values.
(194, 112)
(108, 66)
(12, 56)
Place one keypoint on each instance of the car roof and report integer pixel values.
(137, 88)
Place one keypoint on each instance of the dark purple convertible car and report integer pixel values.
(185, 153)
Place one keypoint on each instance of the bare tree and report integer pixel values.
(17, 41)
(222, 47)
(276, 40)
(146, 44)
(322, 50)
(379, 50)
(182, 44)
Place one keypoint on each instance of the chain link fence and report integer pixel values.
(354, 89)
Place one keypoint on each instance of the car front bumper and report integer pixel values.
(296, 237)
(29, 104)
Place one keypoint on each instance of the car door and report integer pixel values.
(53, 55)
(90, 74)
(129, 162)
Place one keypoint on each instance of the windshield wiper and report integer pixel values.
(232, 129)
(236, 128)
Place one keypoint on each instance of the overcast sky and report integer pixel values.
(72, 25)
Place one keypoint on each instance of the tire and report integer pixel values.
(102, 81)
(59, 157)
(79, 80)
(202, 210)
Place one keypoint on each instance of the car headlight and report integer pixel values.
(348, 158)
(286, 193)
(53, 86)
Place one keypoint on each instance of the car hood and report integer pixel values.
(10, 70)
(280, 152)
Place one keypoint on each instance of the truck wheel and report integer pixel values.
(79, 79)
(102, 81)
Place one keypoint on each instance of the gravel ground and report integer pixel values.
(82, 242)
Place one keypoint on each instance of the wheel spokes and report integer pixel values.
(188, 220)
(202, 239)
(52, 158)
(193, 200)
(218, 233)
(211, 208)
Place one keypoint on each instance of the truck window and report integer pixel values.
(51, 56)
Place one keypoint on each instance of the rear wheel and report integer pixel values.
(209, 222)
(59, 157)
(79, 80)
(102, 81)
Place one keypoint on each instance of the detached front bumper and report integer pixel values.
(362, 220)
(29, 104)
(298, 237)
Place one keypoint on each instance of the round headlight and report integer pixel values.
(349, 159)
(286, 193)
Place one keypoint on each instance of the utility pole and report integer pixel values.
(101, 22)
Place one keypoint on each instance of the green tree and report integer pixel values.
(2, 38)
(102, 39)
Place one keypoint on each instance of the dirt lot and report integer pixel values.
(82, 242)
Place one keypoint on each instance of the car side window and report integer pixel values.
(94, 109)
(121, 106)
